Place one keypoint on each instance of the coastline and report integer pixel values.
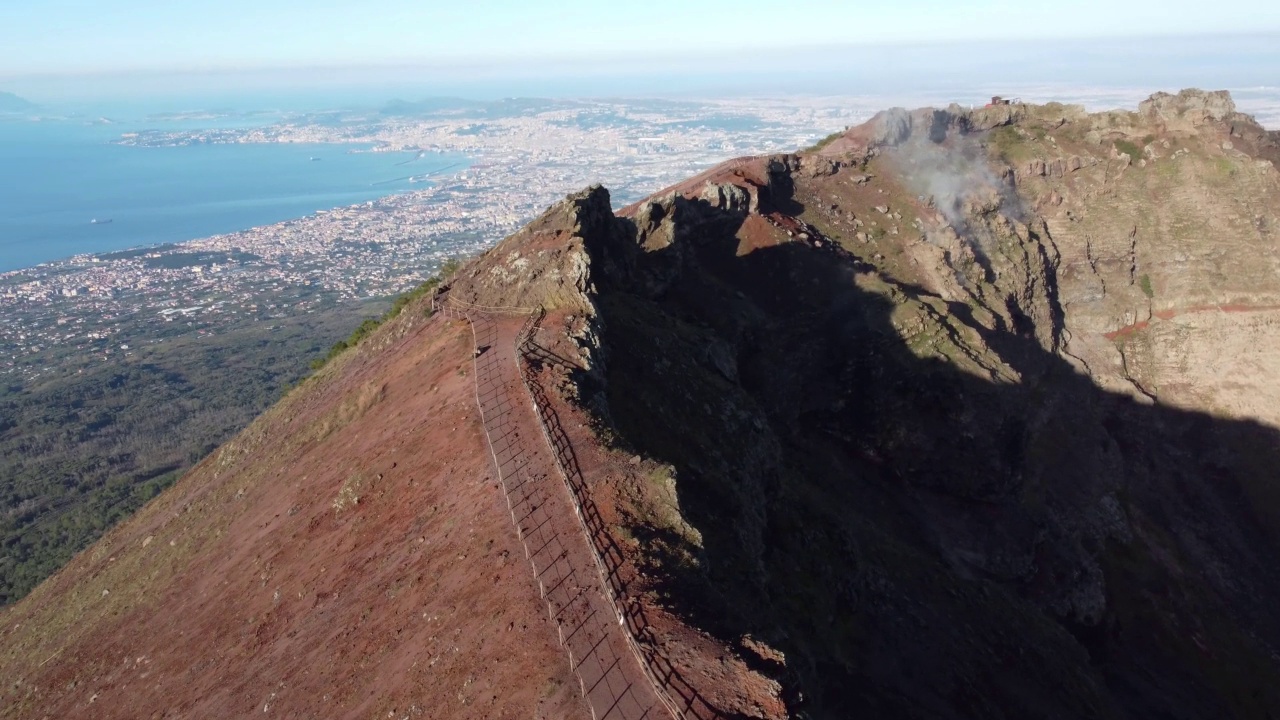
(196, 242)
(156, 197)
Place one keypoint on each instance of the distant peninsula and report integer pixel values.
(12, 103)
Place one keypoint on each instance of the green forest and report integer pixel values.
(84, 449)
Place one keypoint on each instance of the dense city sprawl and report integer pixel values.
(524, 155)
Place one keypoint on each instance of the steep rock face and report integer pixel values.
(1168, 260)
(901, 393)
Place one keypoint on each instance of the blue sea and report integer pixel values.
(57, 176)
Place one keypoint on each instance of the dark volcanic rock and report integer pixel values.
(902, 477)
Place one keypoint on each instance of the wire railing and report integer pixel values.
(678, 696)
(596, 652)
(609, 558)
(461, 307)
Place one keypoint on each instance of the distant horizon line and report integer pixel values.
(552, 61)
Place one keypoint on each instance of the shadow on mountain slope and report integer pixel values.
(989, 535)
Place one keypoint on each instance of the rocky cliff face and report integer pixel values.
(962, 397)
(964, 414)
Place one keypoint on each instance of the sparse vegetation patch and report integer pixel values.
(1128, 148)
(827, 140)
(1010, 143)
(1144, 282)
(368, 326)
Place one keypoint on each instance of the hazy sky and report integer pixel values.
(60, 37)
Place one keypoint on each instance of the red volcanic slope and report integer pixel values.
(349, 555)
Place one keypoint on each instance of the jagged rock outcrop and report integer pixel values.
(889, 127)
(545, 264)
(1192, 107)
(938, 444)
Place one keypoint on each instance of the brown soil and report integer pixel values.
(314, 567)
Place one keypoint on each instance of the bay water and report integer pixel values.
(58, 176)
